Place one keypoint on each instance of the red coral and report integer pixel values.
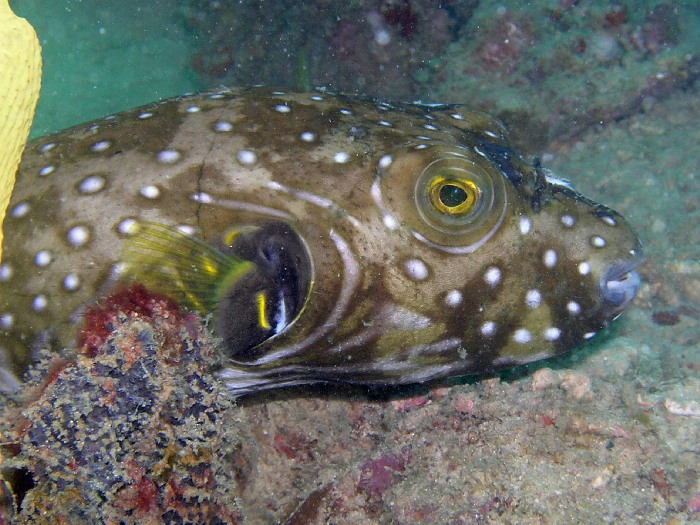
(421, 513)
(411, 403)
(295, 446)
(134, 301)
(141, 497)
(378, 475)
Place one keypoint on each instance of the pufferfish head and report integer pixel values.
(513, 263)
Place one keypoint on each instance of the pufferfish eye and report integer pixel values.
(454, 196)
(458, 200)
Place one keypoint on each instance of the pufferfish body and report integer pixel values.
(330, 238)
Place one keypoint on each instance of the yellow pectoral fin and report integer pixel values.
(20, 83)
(184, 267)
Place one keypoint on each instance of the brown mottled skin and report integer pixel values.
(335, 189)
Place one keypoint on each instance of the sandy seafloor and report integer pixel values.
(610, 434)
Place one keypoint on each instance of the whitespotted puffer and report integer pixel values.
(330, 238)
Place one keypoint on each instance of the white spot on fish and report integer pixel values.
(47, 147)
(223, 126)
(573, 307)
(145, 115)
(91, 184)
(203, 198)
(390, 222)
(492, 134)
(584, 268)
(168, 156)
(608, 220)
(20, 210)
(317, 98)
(492, 277)
(308, 136)
(598, 241)
(453, 298)
(100, 146)
(385, 161)
(43, 258)
(430, 127)
(522, 336)
(346, 112)
(457, 116)
(552, 333)
(283, 108)
(247, 157)
(341, 157)
(46, 170)
(187, 229)
(568, 220)
(588, 335)
(525, 225)
(71, 282)
(40, 303)
(421, 146)
(5, 272)
(488, 329)
(385, 123)
(416, 269)
(6, 321)
(550, 258)
(533, 298)
(193, 109)
(150, 191)
(126, 226)
(78, 236)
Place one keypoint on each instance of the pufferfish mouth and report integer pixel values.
(620, 283)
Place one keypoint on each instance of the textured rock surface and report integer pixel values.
(133, 430)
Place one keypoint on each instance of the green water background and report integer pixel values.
(95, 64)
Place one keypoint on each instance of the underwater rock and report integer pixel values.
(133, 430)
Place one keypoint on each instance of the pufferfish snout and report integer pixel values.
(330, 238)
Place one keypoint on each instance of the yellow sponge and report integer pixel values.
(20, 82)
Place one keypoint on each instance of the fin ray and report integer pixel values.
(180, 265)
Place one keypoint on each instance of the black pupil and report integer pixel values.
(451, 195)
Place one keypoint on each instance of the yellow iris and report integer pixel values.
(453, 196)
